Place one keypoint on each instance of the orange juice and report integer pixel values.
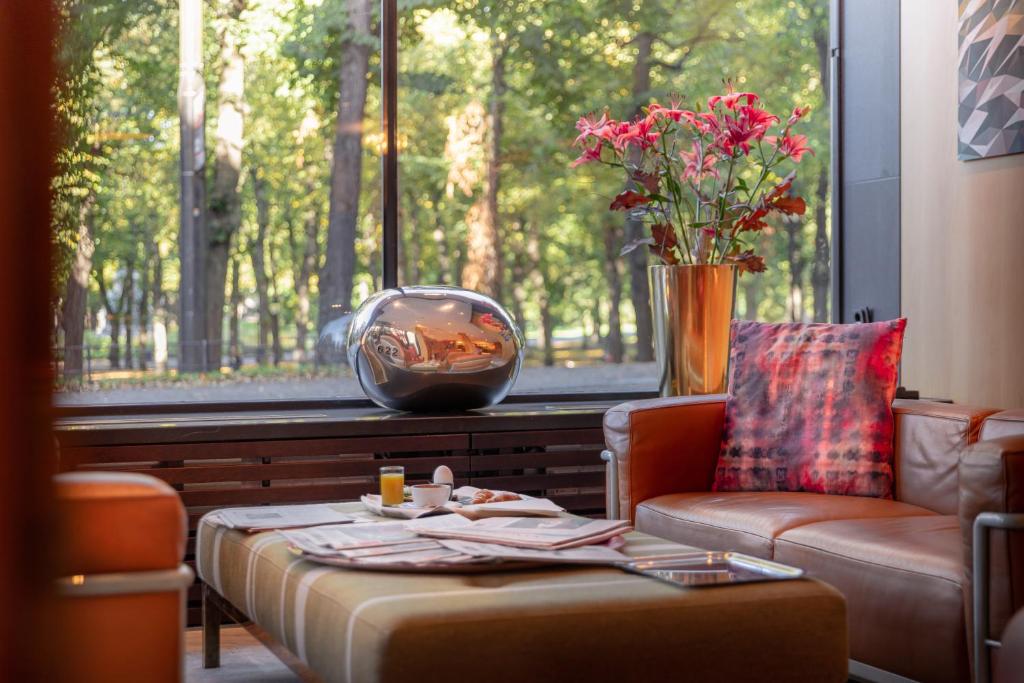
(392, 487)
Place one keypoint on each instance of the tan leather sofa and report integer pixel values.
(904, 565)
(121, 612)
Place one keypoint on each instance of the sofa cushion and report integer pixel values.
(930, 437)
(1005, 423)
(902, 577)
(749, 522)
(810, 408)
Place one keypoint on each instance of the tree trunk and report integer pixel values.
(256, 252)
(303, 274)
(346, 172)
(547, 327)
(235, 316)
(482, 271)
(751, 297)
(794, 238)
(821, 277)
(113, 319)
(128, 294)
(613, 274)
(224, 214)
(144, 295)
(159, 316)
(639, 288)
(75, 294)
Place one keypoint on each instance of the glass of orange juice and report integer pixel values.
(392, 485)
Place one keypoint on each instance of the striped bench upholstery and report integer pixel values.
(593, 624)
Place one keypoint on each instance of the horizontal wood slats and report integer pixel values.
(561, 463)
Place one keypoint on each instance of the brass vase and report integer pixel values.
(692, 306)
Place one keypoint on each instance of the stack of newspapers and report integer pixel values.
(437, 542)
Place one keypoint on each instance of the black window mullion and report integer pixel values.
(389, 161)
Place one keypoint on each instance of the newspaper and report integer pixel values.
(269, 517)
(387, 545)
(589, 554)
(532, 532)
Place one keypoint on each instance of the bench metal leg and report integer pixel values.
(213, 617)
(983, 641)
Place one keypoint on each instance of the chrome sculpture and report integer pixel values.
(433, 348)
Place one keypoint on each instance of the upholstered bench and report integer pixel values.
(585, 624)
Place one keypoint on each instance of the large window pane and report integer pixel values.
(291, 211)
(489, 92)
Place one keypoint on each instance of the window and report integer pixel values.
(291, 203)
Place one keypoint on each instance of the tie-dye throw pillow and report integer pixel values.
(810, 408)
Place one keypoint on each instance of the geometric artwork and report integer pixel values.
(991, 78)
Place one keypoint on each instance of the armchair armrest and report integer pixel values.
(661, 446)
(991, 480)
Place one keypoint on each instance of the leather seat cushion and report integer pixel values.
(749, 522)
(118, 522)
(902, 577)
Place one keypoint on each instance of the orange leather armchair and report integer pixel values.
(122, 588)
(904, 565)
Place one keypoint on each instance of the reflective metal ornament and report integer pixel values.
(429, 349)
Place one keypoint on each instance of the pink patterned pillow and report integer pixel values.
(810, 408)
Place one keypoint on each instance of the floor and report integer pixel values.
(243, 659)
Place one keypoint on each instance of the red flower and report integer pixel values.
(792, 146)
(628, 199)
(639, 133)
(758, 119)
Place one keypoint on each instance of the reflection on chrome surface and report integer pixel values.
(434, 349)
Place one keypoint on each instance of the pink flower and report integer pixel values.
(792, 146)
(590, 154)
(798, 113)
(697, 170)
(731, 99)
(590, 126)
(674, 113)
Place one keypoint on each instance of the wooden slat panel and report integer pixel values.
(273, 494)
(581, 501)
(191, 474)
(506, 461)
(73, 457)
(537, 482)
(538, 438)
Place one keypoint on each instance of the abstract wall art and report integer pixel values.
(991, 78)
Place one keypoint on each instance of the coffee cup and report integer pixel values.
(431, 495)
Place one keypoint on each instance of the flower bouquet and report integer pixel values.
(703, 180)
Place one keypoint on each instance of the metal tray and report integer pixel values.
(701, 569)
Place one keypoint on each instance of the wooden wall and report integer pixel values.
(26, 444)
(962, 262)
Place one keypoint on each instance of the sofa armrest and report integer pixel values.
(661, 446)
(991, 479)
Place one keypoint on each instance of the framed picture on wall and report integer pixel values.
(991, 78)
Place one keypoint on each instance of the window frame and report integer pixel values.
(390, 236)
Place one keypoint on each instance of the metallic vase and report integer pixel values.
(692, 306)
(432, 349)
